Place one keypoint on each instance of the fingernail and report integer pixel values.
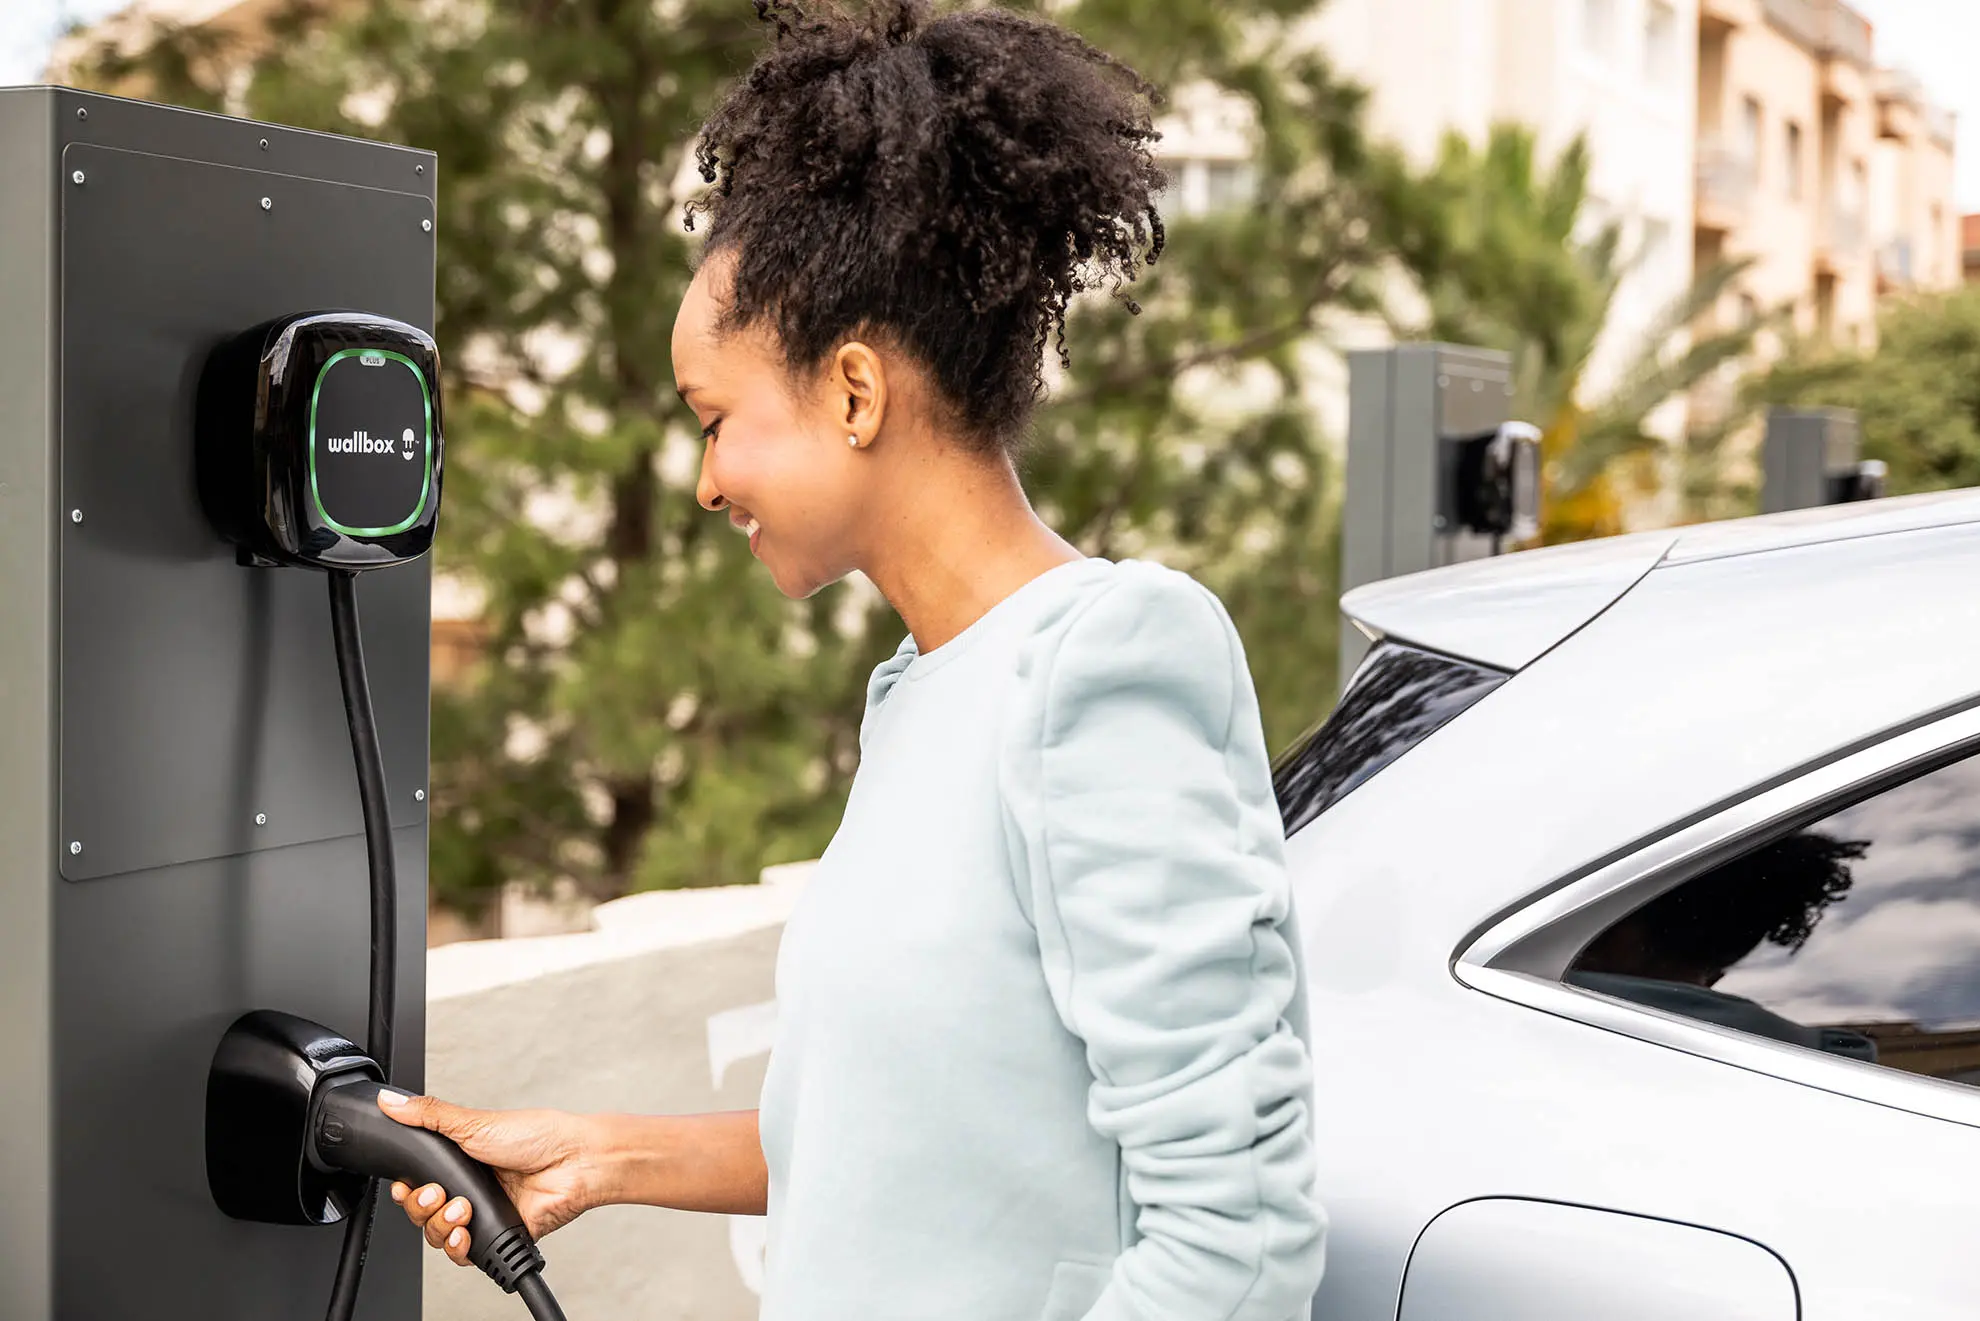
(398, 1192)
(429, 1197)
(456, 1211)
(393, 1098)
(454, 1239)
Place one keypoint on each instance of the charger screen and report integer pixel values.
(371, 442)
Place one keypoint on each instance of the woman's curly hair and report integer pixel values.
(944, 184)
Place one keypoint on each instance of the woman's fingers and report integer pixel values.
(448, 1226)
(458, 1244)
(423, 1204)
(444, 1223)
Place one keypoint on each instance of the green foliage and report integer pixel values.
(1497, 242)
(1917, 396)
(648, 711)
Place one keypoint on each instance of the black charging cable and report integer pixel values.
(384, 915)
(348, 1130)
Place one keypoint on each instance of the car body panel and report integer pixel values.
(1706, 683)
(1825, 523)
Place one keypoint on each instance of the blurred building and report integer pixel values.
(1835, 175)
(1620, 72)
(1969, 247)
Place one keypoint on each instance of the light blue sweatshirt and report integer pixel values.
(1038, 1054)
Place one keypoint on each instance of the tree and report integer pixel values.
(1500, 249)
(1917, 396)
(648, 711)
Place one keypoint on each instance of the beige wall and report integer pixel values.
(1802, 215)
(1874, 212)
(1916, 221)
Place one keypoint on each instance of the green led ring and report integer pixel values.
(426, 478)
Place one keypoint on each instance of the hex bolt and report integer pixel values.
(261, 818)
(75, 515)
(77, 177)
(267, 204)
(75, 847)
(426, 226)
(82, 112)
(419, 795)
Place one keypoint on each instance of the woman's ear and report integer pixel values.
(859, 388)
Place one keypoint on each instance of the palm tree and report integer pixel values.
(1499, 248)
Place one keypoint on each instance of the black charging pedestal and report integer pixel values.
(178, 803)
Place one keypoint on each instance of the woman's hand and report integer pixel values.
(541, 1158)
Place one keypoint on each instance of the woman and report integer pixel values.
(1033, 1056)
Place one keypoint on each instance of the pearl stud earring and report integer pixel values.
(853, 440)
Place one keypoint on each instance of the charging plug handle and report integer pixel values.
(347, 1131)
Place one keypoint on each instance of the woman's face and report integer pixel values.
(774, 457)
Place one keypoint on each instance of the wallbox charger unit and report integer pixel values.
(183, 834)
(320, 441)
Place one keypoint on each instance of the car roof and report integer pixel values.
(1509, 610)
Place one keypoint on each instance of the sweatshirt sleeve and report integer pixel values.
(1150, 856)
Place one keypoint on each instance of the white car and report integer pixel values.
(1639, 891)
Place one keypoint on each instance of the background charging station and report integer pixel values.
(1411, 409)
(180, 833)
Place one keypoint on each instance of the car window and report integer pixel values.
(1858, 935)
(1400, 696)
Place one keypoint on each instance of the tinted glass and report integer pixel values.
(1859, 935)
(1400, 696)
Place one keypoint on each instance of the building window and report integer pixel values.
(1598, 26)
(1794, 160)
(1749, 136)
(1857, 935)
(1660, 44)
(1227, 184)
(1200, 187)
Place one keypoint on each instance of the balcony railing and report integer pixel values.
(1827, 27)
(1725, 179)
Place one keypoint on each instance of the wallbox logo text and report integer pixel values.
(366, 443)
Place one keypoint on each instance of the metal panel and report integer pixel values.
(1364, 539)
(1414, 412)
(196, 695)
(27, 571)
(155, 965)
(243, 143)
(1802, 448)
(1509, 1259)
